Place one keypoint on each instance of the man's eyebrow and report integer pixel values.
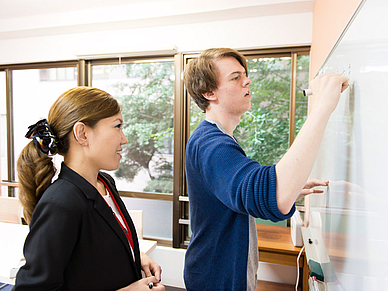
(238, 72)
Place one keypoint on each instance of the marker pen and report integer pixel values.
(307, 92)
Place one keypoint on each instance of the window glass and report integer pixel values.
(196, 115)
(263, 131)
(302, 82)
(33, 95)
(3, 134)
(146, 93)
(301, 105)
(157, 216)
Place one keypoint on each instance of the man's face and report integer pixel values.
(233, 93)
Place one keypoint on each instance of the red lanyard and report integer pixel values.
(125, 229)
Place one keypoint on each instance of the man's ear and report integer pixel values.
(210, 96)
(80, 134)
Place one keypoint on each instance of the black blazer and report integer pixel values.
(75, 242)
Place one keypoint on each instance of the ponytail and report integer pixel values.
(35, 167)
(35, 172)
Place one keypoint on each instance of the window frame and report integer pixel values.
(10, 182)
(293, 52)
(179, 198)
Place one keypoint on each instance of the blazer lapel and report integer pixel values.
(100, 205)
(115, 225)
(106, 212)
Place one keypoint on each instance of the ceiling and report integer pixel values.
(28, 18)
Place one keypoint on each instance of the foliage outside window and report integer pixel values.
(302, 82)
(263, 131)
(145, 90)
(146, 93)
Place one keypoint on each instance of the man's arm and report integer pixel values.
(294, 168)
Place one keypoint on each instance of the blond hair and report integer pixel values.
(201, 74)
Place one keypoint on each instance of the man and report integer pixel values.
(226, 189)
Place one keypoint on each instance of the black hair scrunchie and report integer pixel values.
(43, 137)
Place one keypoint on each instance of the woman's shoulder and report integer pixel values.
(62, 192)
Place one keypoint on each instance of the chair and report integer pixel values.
(137, 218)
(10, 210)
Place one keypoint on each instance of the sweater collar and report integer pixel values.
(219, 126)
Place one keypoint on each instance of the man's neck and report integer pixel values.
(228, 123)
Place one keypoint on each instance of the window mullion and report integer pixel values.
(10, 132)
(294, 58)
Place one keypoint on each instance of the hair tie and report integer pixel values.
(43, 137)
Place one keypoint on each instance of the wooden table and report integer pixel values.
(276, 247)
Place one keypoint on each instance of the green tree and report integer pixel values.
(263, 130)
(147, 106)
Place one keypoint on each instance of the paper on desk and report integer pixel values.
(15, 269)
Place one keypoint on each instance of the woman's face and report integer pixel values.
(105, 143)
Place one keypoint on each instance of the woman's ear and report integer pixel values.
(80, 134)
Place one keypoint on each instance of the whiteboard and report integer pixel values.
(353, 210)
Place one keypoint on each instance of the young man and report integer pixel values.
(227, 189)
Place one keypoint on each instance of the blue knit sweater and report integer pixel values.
(224, 188)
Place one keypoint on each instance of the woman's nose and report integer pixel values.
(124, 139)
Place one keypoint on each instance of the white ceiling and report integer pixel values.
(22, 8)
(28, 18)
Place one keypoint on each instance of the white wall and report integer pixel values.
(64, 35)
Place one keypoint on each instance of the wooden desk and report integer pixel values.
(276, 247)
(11, 248)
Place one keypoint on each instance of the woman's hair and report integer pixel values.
(201, 74)
(35, 168)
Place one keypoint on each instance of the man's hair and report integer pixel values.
(201, 74)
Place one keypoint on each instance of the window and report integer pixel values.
(146, 93)
(267, 130)
(145, 89)
(302, 82)
(3, 133)
(264, 130)
(158, 119)
(30, 97)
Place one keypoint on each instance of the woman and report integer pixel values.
(81, 235)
